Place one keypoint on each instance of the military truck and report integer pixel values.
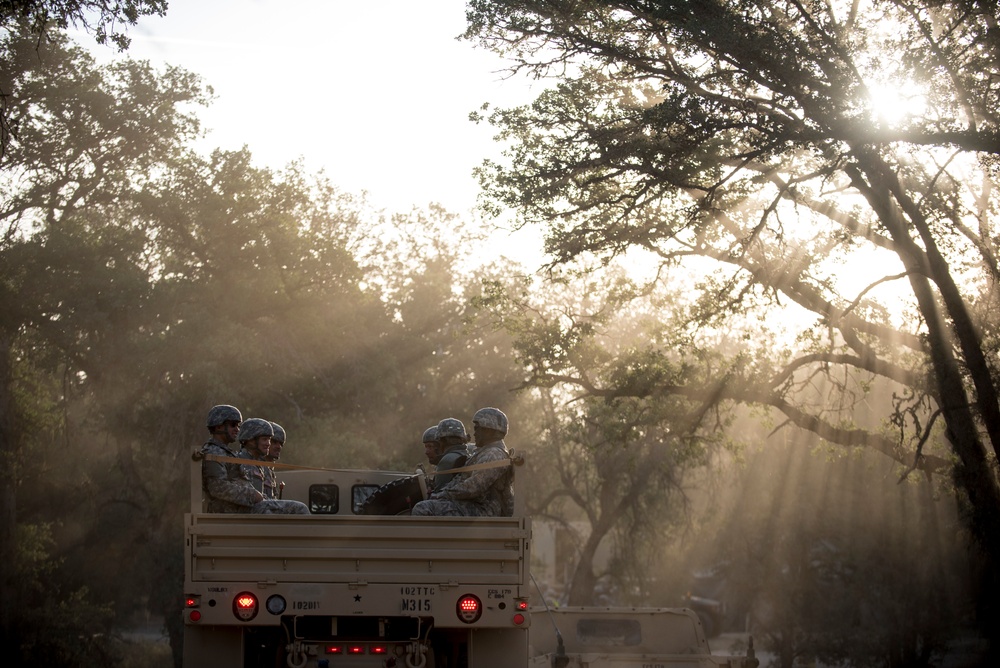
(605, 637)
(341, 588)
(360, 583)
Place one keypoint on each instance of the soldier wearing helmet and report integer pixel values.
(274, 454)
(256, 437)
(432, 447)
(224, 423)
(486, 492)
(225, 486)
(453, 450)
(277, 442)
(258, 440)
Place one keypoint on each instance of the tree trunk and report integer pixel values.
(8, 502)
(581, 590)
(973, 472)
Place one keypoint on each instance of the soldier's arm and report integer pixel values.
(212, 471)
(472, 486)
(239, 492)
(216, 480)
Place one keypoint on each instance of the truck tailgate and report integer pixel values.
(315, 548)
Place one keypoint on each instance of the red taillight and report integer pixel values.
(245, 606)
(195, 616)
(192, 601)
(469, 608)
(334, 649)
(522, 605)
(518, 619)
(378, 649)
(355, 649)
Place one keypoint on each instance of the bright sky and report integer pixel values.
(377, 94)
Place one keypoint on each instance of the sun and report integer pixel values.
(895, 103)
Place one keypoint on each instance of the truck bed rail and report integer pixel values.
(317, 549)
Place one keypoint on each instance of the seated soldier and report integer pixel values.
(258, 449)
(273, 455)
(432, 449)
(452, 450)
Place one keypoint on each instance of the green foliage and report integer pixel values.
(853, 572)
(56, 626)
(145, 282)
(146, 654)
(44, 17)
(826, 249)
(658, 135)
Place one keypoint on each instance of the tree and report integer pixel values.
(100, 16)
(55, 627)
(816, 579)
(616, 466)
(43, 18)
(451, 362)
(619, 463)
(72, 254)
(747, 134)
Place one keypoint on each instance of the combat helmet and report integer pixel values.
(430, 435)
(451, 427)
(221, 414)
(491, 418)
(279, 432)
(254, 427)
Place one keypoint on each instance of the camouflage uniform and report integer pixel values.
(279, 507)
(250, 431)
(485, 493)
(261, 477)
(226, 486)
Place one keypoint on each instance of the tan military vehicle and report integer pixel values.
(599, 637)
(340, 587)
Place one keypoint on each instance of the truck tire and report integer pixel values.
(395, 498)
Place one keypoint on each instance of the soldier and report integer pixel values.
(277, 442)
(216, 482)
(452, 449)
(274, 454)
(226, 486)
(257, 445)
(432, 449)
(487, 492)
